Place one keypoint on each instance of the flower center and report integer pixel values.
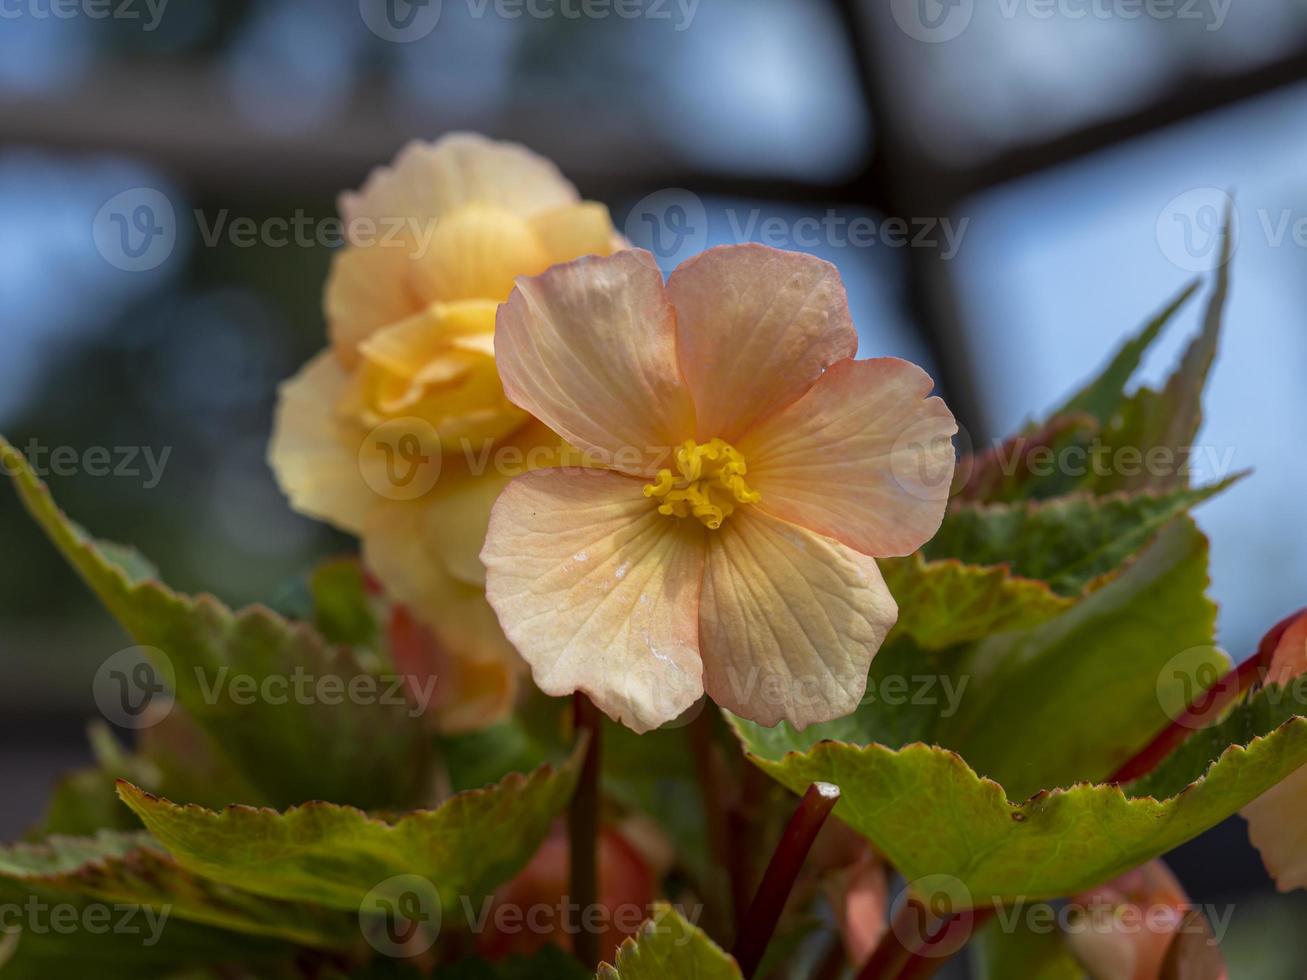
(708, 483)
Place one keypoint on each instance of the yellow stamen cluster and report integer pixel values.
(708, 484)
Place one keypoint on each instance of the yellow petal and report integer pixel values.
(864, 457)
(598, 592)
(575, 230)
(589, 348)
(398, 549)
(431, 180)
(475, 253)
(789, 621)
(314, 452)
(367, 289)
(756, 327)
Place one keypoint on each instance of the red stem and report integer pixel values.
(778, 880)
(583, 828)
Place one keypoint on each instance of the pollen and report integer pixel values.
(708, 483)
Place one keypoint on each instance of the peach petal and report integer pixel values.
(314, 451)
(598, 592)
(589, 348)
(756, 326)
(430, 180)
(864, 457)
(789, 621)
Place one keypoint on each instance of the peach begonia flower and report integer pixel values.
(1134, 926)
(1275, 819)
(400, 432)
(744, 470)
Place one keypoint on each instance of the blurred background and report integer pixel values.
(1008, 190)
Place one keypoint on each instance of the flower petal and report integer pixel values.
(755, 328)
(400, 550)
(475, 253)
(367, 289)
(570, 232)
(864, 457)
(429, 180)
(599, 592)
(589, 348)
(789, 621)
(314, 451)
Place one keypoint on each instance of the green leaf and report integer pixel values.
(54, 935)
(909, 690)
(335, 855)
(1171, 418)
(1068, 542)
(1018, 467)
(342, 609)
(131, 869)
(371, 751)
(668, 946)
(1251, 717)
(1074, 698)
(1104, 395)
(1020, 951)
(945, 602)
(931, 815)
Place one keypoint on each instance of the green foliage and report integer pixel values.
(335, 855)
(669, 946)
(369, 752)
(1059, 842)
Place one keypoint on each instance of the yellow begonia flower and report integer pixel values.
(750, 470)
(398, 432)
(1275, 819)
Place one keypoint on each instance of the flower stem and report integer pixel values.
(778, 880)
(583, 826)
(709, 773)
